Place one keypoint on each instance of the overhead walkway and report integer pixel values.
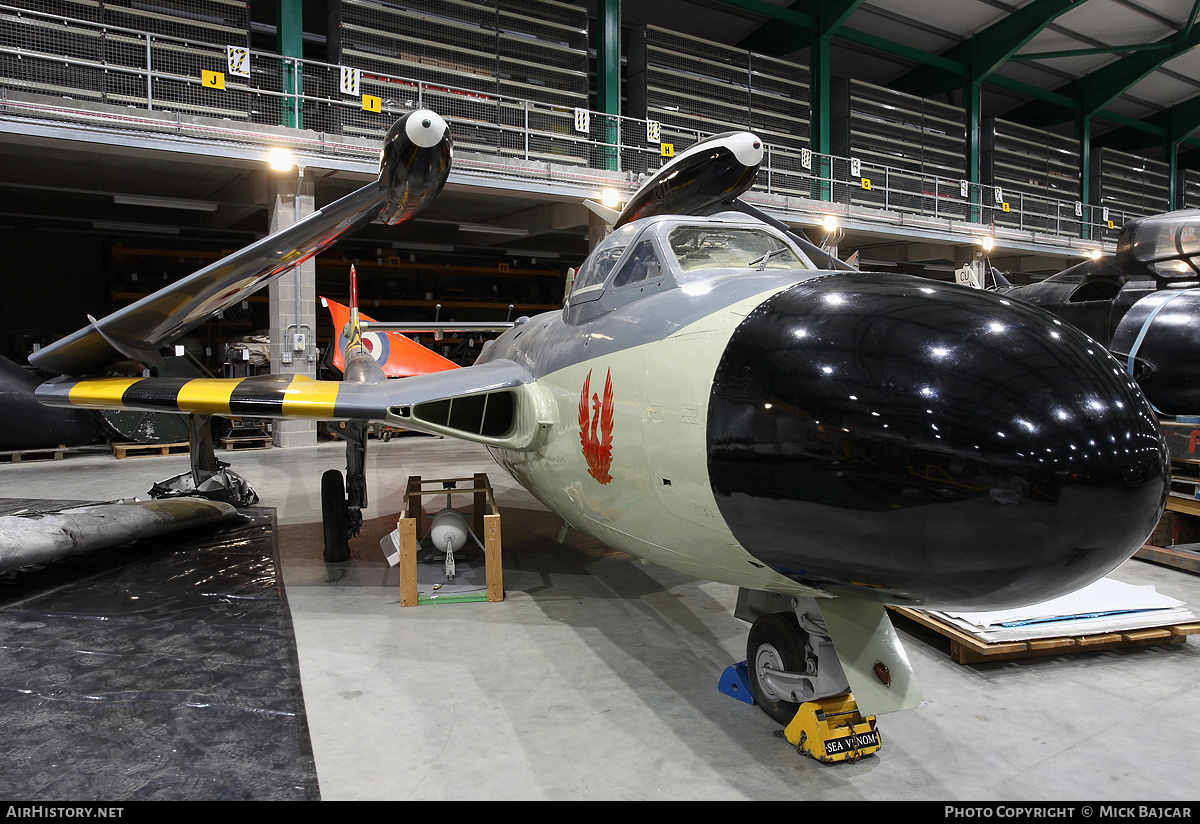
(83, 83)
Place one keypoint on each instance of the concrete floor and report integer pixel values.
(596, 677)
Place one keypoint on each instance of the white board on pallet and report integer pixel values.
(1103, 607)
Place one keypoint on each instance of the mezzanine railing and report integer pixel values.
(91, 63)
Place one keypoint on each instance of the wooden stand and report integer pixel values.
(486, 525)
(1179, 526)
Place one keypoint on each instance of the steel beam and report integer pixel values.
(985, 52)
(290, 36)
(608, 72)
(1097, 89)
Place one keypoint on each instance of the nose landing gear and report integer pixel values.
(794, 675)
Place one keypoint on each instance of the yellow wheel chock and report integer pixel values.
(832, 729)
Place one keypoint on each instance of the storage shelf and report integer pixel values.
(1130, 183)
(881, 127)
(1030, 161)
(523, 48)
(693, 84)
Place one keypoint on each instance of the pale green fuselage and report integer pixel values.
(659, 505)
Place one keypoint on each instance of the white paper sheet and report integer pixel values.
(1105, 606)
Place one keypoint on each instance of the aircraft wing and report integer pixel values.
(496, 403)
(413, 167)
(139, 330)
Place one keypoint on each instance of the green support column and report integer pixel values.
(818, 124)
(1083, 133)
(1171, 150)
(290, 35)
(608, 75)
(971, 105)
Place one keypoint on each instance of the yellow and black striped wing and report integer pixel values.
(269, 397)
(286, 396)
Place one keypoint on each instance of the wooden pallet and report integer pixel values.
(1178, 527)
(23, 455)
(967, 649)
(137, 450)
(1185, 559)
(246, 443)
(1186, 505)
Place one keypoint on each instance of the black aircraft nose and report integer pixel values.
(923, 443)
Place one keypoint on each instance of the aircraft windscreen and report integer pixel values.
(596, 268)
(1168, 244)
(729, 247)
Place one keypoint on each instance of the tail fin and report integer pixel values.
(399, 356)
(354, 337)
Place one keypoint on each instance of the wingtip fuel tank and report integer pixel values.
(414, 164)
(38, 539)
(715, 170)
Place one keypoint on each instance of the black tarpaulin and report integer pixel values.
(161, 670)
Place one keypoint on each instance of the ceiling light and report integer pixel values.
(531, 253)
(165, 203)
(281, 159)
(610, 198)
(114, 226)
(987, 243)
(487, 229)
(422, 247)
(830, 223)
(1097, 254)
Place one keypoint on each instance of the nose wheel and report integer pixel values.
(774, 649)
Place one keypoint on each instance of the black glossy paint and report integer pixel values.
(28, 424)
(1162, 330)
(919, 442)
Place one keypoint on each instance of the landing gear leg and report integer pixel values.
(208, 477)
(797, 679)
(355, 434)
(342, 505)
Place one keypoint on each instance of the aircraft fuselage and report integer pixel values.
(846, 433)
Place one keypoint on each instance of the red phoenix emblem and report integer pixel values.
(597, 446)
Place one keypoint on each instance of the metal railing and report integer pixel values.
(52, 55)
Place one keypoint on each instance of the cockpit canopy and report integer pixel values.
(664, 252)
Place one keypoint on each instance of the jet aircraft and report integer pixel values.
(1142, 302)
(717, 398)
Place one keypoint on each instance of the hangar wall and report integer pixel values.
(529, 125)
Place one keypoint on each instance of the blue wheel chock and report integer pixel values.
(735, 682)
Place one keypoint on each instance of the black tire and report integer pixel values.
(334, 518)
(775, 640)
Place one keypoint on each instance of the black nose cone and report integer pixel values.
(923, 443)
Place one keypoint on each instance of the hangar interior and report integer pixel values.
(134, 139)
